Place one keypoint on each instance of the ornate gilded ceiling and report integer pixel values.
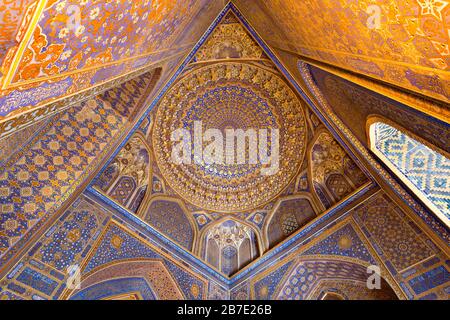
(401, 42)
(51, 51)
(230, 40)
(95, 187)
(230, 84)
(246, 93)
(231, 95)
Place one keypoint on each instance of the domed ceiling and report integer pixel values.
(215, 208)
(225, 96)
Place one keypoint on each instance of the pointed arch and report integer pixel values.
(226, 250)
(127, 177)
(331, 172)
(324, 274)
(171, 218)
(297, 218)
(145, 279)
(206, 229)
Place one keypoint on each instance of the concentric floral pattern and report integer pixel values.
(231, 96)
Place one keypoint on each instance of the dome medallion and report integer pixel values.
(230, 96)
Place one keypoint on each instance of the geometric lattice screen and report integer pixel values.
(425, 171)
